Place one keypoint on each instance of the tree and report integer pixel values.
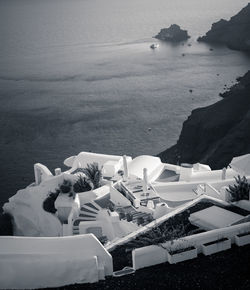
(93, 174)
(240, 190)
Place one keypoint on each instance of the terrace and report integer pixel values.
(191, 216)
(178, 226)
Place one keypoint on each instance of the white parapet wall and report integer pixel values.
(153, 255)
(28, 262)
(85, 158)
(148, 256)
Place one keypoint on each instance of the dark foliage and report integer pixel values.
(93, 174)
(240, 190)
(159, 235)
(81, 185)
(49, 202)
(66, 187)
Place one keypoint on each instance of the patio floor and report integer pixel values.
(214, 217)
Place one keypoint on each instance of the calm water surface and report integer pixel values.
(79, 75)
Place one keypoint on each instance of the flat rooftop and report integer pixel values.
(214, 217)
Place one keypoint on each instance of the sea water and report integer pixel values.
(79, 75)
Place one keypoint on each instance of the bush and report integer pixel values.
(81, 185)
(240, 190)
(93, 174)
(158, 236)
(49, 202)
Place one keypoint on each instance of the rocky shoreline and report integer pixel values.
(233, 33)
(215, 134)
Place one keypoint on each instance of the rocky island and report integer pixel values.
(233, 33)
(214, 134)
(173, 33)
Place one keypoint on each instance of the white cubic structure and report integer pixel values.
(28, 262)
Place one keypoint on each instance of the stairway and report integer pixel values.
(88, 212)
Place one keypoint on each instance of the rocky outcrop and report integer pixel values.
(173, 33)
(215, 134)
(233, 33)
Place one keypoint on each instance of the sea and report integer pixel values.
(79, 75)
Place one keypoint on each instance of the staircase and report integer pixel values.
(88, 212)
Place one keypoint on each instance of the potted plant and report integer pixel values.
(181, 253)
(221, 244)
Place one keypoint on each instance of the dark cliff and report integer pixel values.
(215, 134)
(234, 33)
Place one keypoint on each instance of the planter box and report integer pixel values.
(182, 255)
(216, 246)
(242, 239)
(148, 256)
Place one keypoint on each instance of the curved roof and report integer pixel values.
(135, 167)
(84, 158)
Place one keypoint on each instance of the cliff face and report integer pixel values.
(215, 134)
(234, 33)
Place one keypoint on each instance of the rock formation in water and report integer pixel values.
(234, 33)
(173, 33)
(215, 134)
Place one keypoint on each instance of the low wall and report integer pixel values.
(153, 255)
(84, 158)
(31, 271)
(180, 186)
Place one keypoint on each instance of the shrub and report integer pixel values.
(93, 174)
(66, 186)
(158, 236)
(240, 190)
(81, 185)
(49, 202)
